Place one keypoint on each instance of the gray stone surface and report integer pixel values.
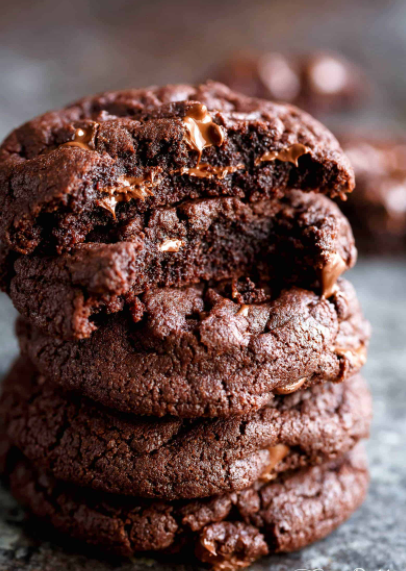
(374, 539)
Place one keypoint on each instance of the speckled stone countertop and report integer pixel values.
(374, 539)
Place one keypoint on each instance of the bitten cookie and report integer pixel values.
(170, 458)
(202, 351)
(228, 531)
(98, 163)
(301, 238)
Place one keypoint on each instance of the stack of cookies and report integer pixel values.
(188, 380)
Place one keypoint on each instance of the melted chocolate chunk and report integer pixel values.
(200, 130)
(291, 154)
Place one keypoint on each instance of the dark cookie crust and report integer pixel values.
(211, 352)
(377, 209)
(171, 458)
(293, 239)
(227, 531)
(55, 194)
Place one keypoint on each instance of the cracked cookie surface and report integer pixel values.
(209, 351)
(171, 458)
(227, 531)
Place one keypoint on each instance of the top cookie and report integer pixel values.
(97, 163)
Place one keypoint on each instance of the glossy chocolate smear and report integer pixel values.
(130, 187)
(357, 357)
(200, 129)
(203, 170)
(330, 274)
(83, 136)
(291, 388)
(276, 454)
(289, 155)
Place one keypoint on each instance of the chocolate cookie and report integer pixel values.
(228, 531)
(319, 81)
(209, 351)
(378, 208)
(97, 164)
(171, 458)
(296, 239)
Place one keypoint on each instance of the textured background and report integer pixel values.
(53, 52)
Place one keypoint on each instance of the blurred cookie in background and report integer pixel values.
(319, 81)
(377, 207)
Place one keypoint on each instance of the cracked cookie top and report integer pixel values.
(227, 531)
(209, 351)
(171, 458)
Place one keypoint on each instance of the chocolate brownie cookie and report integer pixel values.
(227, 531)
(378, 208)
(171, 458)
(319, 81)
(97, 164)
(209, 351)
(296, 239)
